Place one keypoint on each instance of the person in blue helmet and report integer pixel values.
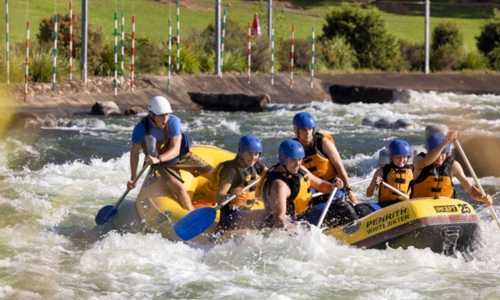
(323, 160)
(434, 171)
(160, 137)
(287, 188)
(231, 176)
(398, 173)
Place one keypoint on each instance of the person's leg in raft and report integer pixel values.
(178, 191)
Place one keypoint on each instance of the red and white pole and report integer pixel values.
(71, 39)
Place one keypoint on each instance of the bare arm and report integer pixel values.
(458, 172)
(134, 161)
(376, 180)
(323, 186)
(333, 155)
(173, 149)
(432, 156)
(279, 192)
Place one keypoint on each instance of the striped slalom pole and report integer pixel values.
(115, 54)
(70, 40)
(132, 59)
(7, 41)
(313, 57)
(249, 53)
(169, 65)
(122, 50)
(27, 60)
(178, 38)
(223, 38)
(292, 55)
(54, 53)
(272, 56)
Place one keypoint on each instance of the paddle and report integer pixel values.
(476, 180)
(109, 211)
(327, 206)
(395, 190)
(198, 220)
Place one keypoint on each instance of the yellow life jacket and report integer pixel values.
(243, 178)
(399, 178)
(316, 161)
(434, 181)
(299, 200)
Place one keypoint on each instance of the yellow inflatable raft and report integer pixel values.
(159, 212)
(443, 224)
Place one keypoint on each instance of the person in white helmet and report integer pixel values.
(161, 138)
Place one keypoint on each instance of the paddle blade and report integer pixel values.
(104, 214)
(195, 223)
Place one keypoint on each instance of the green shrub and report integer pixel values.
(474, 61)
(365, 31)
(261, 55)
(447, 34)
(494, 58)
(336, 53)
(489, 39)
(446, 58)
(234, 62)
(104, 65)
(302, 55)
(149, 57)
(41, 66)
(413, 55)
(190, 63)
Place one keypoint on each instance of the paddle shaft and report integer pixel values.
(232, 197)
(327, 206)
(128, 190)
(476, 180)
(356, 183)
(395, 190)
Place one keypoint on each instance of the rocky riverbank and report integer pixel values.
(234, 92)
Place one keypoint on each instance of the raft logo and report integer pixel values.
(388, 220)
(446, 208)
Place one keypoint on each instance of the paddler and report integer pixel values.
(232, 176)
(160, 137)
(434, 171)
(398, 173)
(287, 188)
(323, 160)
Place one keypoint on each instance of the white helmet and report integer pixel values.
(159, 105)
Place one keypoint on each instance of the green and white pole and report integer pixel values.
(223, 38)
(169, 64)
(249, 53)
(122, 46)
(178, 39)
(272, 57)
(7, 42)
(292, 56)
(54, 52)
(70, 54)
(313, 56)
(115, 54)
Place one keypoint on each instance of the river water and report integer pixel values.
(53, 181)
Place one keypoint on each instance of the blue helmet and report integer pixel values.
(304, 120)
(290, 149)
(435, 140)
(399, 147)
(250, 143)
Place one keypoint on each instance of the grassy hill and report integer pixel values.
(405, 21)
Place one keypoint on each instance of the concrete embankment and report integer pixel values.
(233, 92)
